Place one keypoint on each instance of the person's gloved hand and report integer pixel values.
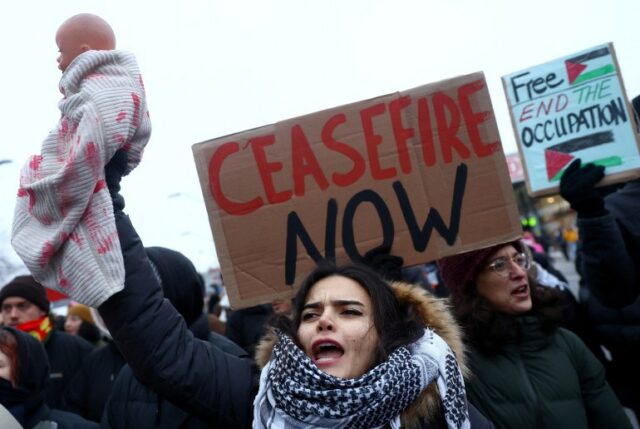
(387, 265)
(577, 186)
(113, 172)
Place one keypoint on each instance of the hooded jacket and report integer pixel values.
(133, 404)
(425, 411)
(610, 248)
(26, 401)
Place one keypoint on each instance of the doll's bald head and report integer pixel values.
(81, 33)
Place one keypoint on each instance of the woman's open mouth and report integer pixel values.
(326, 352)
(521, 292)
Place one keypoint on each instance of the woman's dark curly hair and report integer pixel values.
(397, 324)
(488, 330)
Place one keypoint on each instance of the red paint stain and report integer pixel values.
(121, 116)
(46, 254)
(99, 186)
(22, 192)
(92, 156)
(105, 245)
(32, 199)
(34, 162)
(64, 128)
(136, 109)
(62, 280)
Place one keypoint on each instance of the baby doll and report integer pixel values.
(63, 226)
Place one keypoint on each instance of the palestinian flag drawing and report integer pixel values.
(591, 65)
(558, 156)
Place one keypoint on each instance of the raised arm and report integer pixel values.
(162, 352)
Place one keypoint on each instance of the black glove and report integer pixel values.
(113, 172)
(577, 186)
(387, 265)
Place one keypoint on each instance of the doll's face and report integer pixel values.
(69, 45)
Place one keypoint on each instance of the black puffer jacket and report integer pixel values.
(136, 406)
(162, 351)
(610, 248)
(26, 401)
(66, 353)
(91, 386)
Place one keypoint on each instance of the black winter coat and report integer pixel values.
(163, 353)
(610, 248)
(136, 406)
(26, 401)
(66, 353)
(91, 386)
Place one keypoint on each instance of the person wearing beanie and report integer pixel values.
(527, 371)
(23, 376)
(25, 306)
(79, 321)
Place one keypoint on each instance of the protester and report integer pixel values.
(63, 225)
(214, 312)
(609, 234)
(183, 287)
(527, 372)
(25, 307)
(246, 326)
(609, 266)
(24, 373)
(219, 387)
(351, 331)
(79, 321)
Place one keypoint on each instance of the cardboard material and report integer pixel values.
(573, 107)
(422, 170)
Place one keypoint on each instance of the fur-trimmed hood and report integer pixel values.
(436, 314)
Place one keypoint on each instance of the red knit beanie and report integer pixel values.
(460, 271)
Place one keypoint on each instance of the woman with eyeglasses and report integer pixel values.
(527, 371)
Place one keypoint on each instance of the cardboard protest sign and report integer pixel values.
(572, 107)
(420, 170)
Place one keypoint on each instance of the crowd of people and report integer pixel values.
(488, 338)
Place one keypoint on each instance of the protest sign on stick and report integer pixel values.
(573, 107)
(420, 170)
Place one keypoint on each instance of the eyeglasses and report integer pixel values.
(503, 267)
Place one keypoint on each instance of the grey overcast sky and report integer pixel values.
(216, 67)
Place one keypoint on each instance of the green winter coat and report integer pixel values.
(545, 380)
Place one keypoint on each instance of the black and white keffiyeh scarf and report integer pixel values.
(295, 394)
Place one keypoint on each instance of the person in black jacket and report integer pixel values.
(24, 373)
(609, 240)
(134, 405)
(246, 326)
(25, 306)
(91, 386)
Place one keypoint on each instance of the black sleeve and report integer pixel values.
(163, 353)
(606, 266)
(76, 393)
